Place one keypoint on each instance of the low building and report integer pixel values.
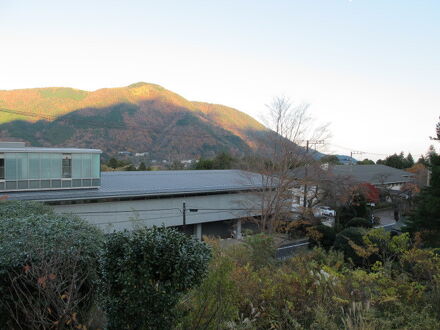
(380, 176)
(317, 177)
(201, 202)
(23, 168)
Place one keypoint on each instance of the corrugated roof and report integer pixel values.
(374, 174)
(153, 183)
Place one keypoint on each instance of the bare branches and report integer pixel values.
(48, 291)
(291, 126)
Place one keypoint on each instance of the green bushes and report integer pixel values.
(319, 290)
(321, 235)
(145, 272)
(347, 240)
(359, 222)
(47, 266)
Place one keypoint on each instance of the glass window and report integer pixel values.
(10, 166)
(45, 165)
(55, 166)
(34, 166)
(2, 167)
(86, 165)
(96, 166)
(67, 166)
(22, 166)
(76, 166)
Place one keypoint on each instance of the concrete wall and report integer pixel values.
(120, 215)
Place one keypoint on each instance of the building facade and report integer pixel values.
(199, 202)
(27, 169)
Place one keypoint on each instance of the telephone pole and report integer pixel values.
(315, 143)
(354, 153)
(184, 216)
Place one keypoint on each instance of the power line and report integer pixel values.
(147, 219)
(358, 151)
(167, 209)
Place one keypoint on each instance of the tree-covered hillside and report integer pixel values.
(140, 117)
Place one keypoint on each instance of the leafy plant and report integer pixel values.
(48, 266)
(145, 272)
(321, 235)
(359, 222)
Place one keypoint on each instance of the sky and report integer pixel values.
(369, 67)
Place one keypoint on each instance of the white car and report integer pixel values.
(323, 211)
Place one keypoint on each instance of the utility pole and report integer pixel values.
(354, 153)
(184, 216)
(308, 142)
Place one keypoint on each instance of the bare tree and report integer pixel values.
(291, 126)
(48, 292)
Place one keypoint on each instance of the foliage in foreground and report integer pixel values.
(399, 289)
(145, 272)
(47, 267)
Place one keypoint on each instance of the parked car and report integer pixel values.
(323, 211)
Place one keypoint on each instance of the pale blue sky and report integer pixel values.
(370, 67)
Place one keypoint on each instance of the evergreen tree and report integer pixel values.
(223, 161)
(130, 168)
(330, 159)
(113, 163)
(409, 161)
(426, 216)
(142, 167)
(366, 161)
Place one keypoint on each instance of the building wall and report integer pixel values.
(120, 215)
(48, 170)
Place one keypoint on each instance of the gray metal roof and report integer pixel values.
(52, 150)
(153, 183)
(374, 174)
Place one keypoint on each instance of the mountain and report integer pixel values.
(138, 118)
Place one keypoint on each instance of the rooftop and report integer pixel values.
(374, 174)
(152, 183)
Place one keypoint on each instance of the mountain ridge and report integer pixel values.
(142, 116)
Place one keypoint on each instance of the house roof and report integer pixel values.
(374, 174)
(153, 183)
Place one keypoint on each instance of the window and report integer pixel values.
(45, 165)
(10, 166)
(34, 166)
(86, 166)
(67, 166)
(76, 166)
(2, 166)
(96, 166)
(22, 166)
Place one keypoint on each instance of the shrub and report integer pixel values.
(262, 249)
(359, 222)
(344, 242)
(321, 235)
(299, 229)
(145, 272)
(11, 210)
(48, 266)
(215, 301)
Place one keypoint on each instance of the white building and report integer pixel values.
(202, 202)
